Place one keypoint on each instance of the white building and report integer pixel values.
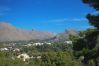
(4, 49)
(48, 43)
(68, 42)
(16, 49)
(23, 56)
(28, 45)
(38, 57)
(38, 43)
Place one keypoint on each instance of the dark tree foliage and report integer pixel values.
(87, 46)
(93, 3)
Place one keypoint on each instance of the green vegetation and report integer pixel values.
(83, 52)
(88, 45)
(48, 58)
(6, 59)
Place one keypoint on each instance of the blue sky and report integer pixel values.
(45, 15)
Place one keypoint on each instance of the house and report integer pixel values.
(23, 56)
(68, 42)
(38, 57)
(16, 49)
(48, 43)
(4, 49)
(38, 43)
(28, 45)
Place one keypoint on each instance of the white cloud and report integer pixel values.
(66, 20)
(78, 19)
(62, 22)
(4, 10)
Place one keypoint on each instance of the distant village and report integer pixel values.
(24, 56)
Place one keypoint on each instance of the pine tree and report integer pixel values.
(87, 46)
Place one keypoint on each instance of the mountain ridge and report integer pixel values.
(10, 33)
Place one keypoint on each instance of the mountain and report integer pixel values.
(65, 35)
(10, 33)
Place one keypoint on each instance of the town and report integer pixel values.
(16, 47)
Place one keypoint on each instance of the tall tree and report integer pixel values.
(88, 46)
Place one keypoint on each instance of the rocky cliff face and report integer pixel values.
(64, 36)
(11, 33)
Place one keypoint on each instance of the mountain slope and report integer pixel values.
(11, 33)
(65, 35)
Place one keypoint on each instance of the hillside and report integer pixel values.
(10, 33)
